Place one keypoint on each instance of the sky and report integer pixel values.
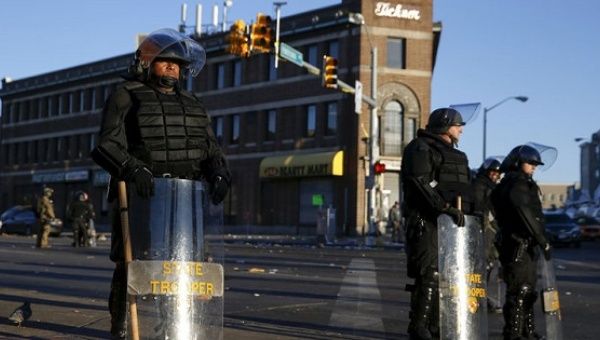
(546, 50)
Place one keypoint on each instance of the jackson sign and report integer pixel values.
(386, 9)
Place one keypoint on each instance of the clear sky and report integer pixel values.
(490, 49)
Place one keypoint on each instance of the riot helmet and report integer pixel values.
(81, 196)
(490, 164)
(440, 120)
(168, 44)
(519, 155)
(48, 191)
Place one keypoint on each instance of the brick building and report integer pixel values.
(291, 144)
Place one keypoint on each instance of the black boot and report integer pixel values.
(514, 318)
(421, 305)
(529, 327)
(117, 303)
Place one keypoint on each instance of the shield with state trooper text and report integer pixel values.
(177, 270)
(462, 279)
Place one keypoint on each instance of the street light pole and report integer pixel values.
(371, 185)
(487, 109)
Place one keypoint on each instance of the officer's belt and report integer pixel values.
(183, 170)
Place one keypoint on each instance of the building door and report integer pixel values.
(309, 189)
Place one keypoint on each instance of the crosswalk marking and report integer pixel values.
(358, 303)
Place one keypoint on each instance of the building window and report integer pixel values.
(331, 123)
(10, 118)
(220, 76)
(71, 103)
(312, 55)
(271, 123)
(35, 108)
(410, 131)
(92, 141)
(237, 73)
(333, 49)
(218, 129)
(272, 69)
(396, 53)
(311, 121)
(235, 129)
(392, 129)
(81, 100)
(93, 102)
(5, 154)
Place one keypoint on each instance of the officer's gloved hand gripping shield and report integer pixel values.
(462, 281)
(177, 268)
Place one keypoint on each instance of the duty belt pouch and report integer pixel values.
(520, 249)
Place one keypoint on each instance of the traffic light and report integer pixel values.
(329, 73)
(261, 34)
(237, 40)
(379, 167)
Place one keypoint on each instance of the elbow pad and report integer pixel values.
(430, 195)
(111, 158)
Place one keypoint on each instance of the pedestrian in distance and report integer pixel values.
(434, 174)
(484, 182)
(520, 217)
(395, 222)
(45, 213)
(152, 127)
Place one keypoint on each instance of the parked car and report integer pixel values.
(589, 227)
(21, 219)
(562, 230)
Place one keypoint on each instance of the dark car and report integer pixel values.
(21, 219)
(562, 230)
(589, 226)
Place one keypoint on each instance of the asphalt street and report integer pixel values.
(272, 291)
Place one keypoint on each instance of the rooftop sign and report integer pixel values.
(386, 9)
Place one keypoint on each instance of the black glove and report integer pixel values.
(547, 251)
(218, 190)
(144, 181)
(457, 215)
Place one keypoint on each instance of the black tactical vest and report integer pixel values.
(171, 134)
(451, 172)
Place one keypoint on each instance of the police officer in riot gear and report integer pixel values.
(434, 174)
(153, 128)
(80, 212)
(517, 204)
(45, 212)
(484, 182)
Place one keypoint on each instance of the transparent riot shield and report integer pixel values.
(177, 268)
(550, 301)
(462, 282)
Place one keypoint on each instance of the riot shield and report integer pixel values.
(462, 280)
(550, 302)
(177, 268)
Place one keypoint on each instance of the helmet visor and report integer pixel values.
(169, 44)
(548, 154)
(467, 111)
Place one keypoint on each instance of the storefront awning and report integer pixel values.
(306, 165)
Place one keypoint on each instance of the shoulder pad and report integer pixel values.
(132, 85)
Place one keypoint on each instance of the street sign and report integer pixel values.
(287, 52)
(358, 97)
